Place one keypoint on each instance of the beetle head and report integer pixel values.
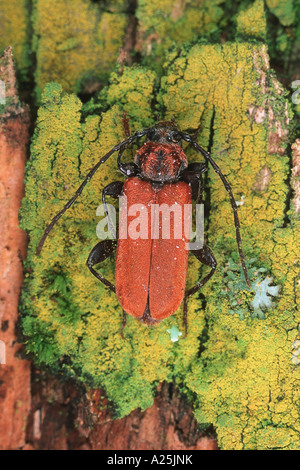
(164, 133)
(161, 159)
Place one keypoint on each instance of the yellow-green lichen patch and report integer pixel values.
(14, 19)
(133, 92)
(162, 24)
(252, 22)
(76, 43)
(244, 380)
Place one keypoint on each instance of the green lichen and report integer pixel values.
(284, 10)
(163, 24)
(284, 34)
(76, 43)
(238, 370)
(166, 24)
(252, 21)
(14, 31)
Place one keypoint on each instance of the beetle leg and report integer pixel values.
(123, 324)
(205, 256)
(193, 172)
(193, 176)
(114, 190)
(195, 169)
(127, 168)
(98, 254)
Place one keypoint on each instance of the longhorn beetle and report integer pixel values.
(151, 274)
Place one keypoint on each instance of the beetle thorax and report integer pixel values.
(161, 162)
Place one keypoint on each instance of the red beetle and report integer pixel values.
(151, 271)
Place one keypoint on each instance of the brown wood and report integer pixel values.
(15, 373)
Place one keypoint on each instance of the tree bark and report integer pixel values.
(14, 372)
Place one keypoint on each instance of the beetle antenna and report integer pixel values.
(85, 181)
(206, 155)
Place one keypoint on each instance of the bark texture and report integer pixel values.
(15, 396)
(62, 417)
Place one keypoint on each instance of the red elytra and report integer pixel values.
(153, 288)
(151, 273)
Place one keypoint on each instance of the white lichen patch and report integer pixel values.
(263, 293)
(174, 333)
